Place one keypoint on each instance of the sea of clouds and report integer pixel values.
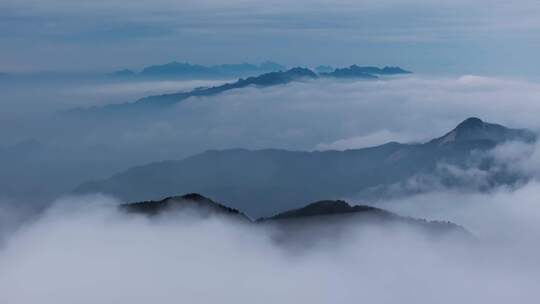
(82, 250)
(312, 115)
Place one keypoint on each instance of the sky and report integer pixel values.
(437, 37)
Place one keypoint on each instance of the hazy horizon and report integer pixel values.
(433, 37)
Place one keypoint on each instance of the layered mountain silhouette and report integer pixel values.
(157, 102)
(367, 72)
(300, 225)
(160, 101)
(265, 182)
(185, 70)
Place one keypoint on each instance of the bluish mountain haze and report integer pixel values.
(366, 72)
(268, 181)
(263, 80)
(324, 69)
(331, 174)
(160, 101)
(126, 73)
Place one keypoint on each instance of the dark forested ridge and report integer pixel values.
(302, 223)
(191, 200)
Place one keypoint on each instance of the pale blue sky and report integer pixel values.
(438, 36)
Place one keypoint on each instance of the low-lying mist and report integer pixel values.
(44, 154)
(83, 250)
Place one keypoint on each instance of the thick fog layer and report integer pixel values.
(83, 251)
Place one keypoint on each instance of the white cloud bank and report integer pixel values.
(91, 254)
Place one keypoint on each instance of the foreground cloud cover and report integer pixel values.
(83, 251)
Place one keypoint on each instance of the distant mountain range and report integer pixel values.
(359, 71)
(367, 72)
(302, 223)
(264, 182)
(184, 70)
(157, 102)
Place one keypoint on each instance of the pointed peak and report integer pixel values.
(203, 204)
(470, 123)
(474, 129)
